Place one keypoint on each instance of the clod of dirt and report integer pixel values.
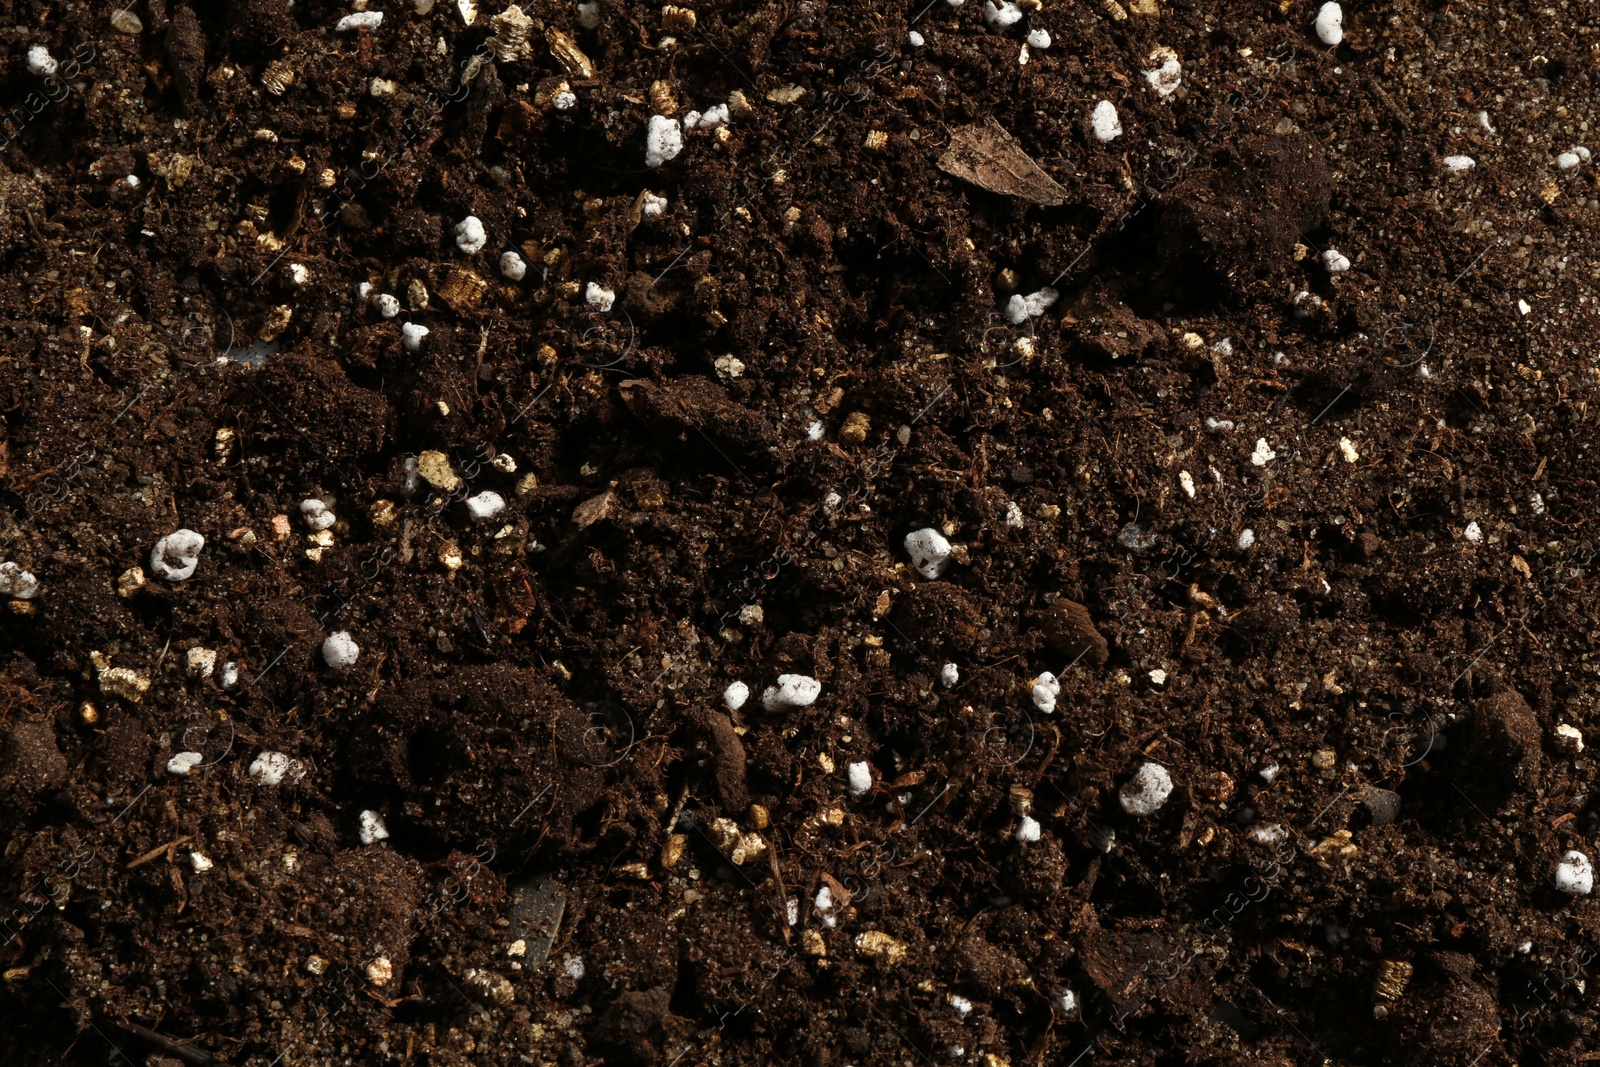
(1102, 327)
(697, 416)
(1505, 743)
(186, 54)
(1382, 804)
(636, 1027)
(1264, 624)
(1451, 1012)
(728, 759)
(21, 198)
(1036, 873)
(30, 764)
(990, 158)
(942, 617)
(337, 420)
(1070, 631)
(1227, 230)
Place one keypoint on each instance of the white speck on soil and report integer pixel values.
(1146, 791)
(1107, 124)
(929, 552)
(176, 555)
(373, 829)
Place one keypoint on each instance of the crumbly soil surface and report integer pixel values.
(1321, 545)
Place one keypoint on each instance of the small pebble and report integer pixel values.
(792, 691)
(589, 14)
(1001, 16)
(486, 505)
(565, 100)
(388, 305)
(1574, 874)
(929, 552)
(1020, 309)
(1569, 739)
(1045, 691)
(962, 1005)
(470, 237)
(1107, 125)
(18, 583)
(1568, 160)
(372, 828)
(316, 514)
(340, 650)
(176, 555)
(1167, 75)
(663, 140)
(1473, 532)
(41, 62)
(184, 762)
(270, 768)
(1146, 791)
(361, 20)
(1330, 24)
(574, 967)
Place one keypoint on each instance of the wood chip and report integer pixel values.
(990, 158)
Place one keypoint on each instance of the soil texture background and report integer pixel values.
(1241, 378)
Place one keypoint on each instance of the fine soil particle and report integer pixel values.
(1258, 426)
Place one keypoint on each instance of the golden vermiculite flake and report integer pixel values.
(1393, 977)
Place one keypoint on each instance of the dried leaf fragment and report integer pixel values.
(992, 159)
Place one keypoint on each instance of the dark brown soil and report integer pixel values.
(590, 858)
